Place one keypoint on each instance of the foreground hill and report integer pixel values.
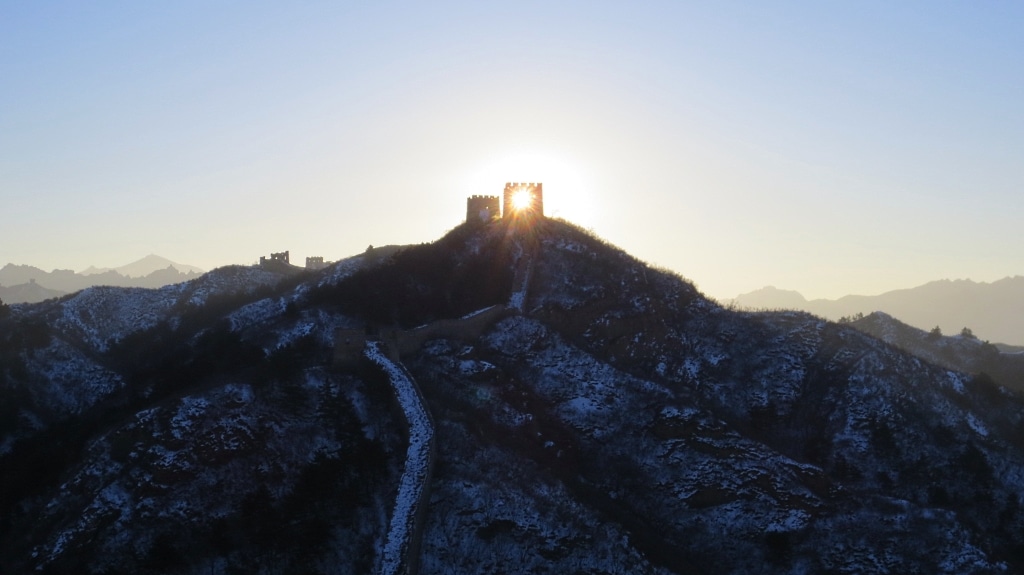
(613, 420)
(991, 310)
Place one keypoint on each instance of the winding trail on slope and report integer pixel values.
(522, 274)
(401, 547)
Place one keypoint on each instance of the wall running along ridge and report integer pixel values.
(401, 546)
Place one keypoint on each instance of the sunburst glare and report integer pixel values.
(522, 199)
(567, 192)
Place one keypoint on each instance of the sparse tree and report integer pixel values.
(935, 333)
(967, 333)
(4, 309)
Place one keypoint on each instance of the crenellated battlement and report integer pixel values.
(482, 209)
(519, 200)
(523, 200)
(279, 257)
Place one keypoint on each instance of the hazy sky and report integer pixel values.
(826, 147)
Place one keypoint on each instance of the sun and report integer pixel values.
(521, 200)
(568, 191)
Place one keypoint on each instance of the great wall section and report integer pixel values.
(405, 531)
(402, 543)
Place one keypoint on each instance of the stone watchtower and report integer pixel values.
(482, 209)
(280, 258)
(315, 263)
(523, 200)
(519, 200)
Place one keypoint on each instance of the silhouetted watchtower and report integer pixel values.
(482, 209)
(523, 200)
(280, 257)
(519, 201)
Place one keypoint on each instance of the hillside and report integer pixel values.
(990, 310)
(611, 419)
(962, 352)
(30, 292)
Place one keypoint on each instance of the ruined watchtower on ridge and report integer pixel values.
(280, 257)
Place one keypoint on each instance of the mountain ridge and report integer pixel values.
(618, 421)
(989, 309)
(143, 267)
(29, 284)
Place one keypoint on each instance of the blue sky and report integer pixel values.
(830, 148)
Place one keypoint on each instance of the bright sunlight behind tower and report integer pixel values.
(574, 199)
(522, 199)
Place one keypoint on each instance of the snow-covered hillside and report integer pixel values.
(612, 421)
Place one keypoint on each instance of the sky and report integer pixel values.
(831, 148)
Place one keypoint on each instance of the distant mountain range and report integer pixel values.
(992, 311)
(28, 284)
(143, 267)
